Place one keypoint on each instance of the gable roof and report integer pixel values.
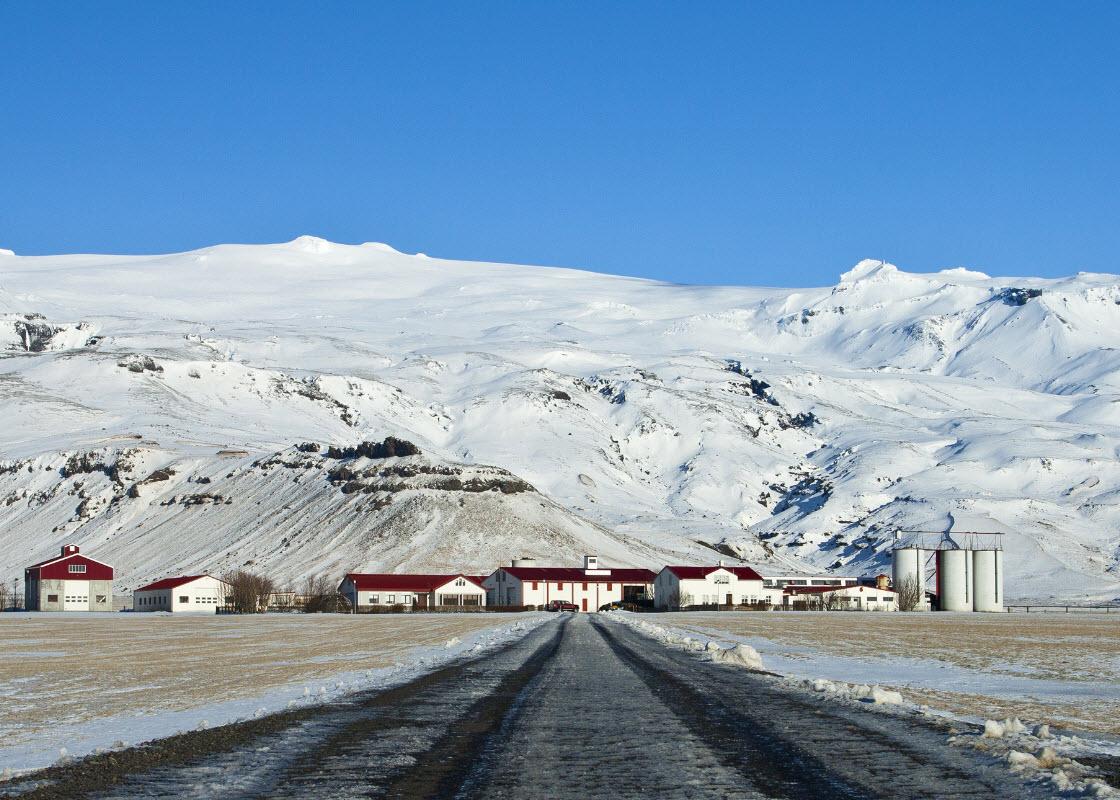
(368, 582)
(700, 573)
(60, 559)
(575, 575)
(172, 583)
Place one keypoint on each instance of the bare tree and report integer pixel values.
(5, 596)
(911, 593)
(833, 601)
(320, 595)
(248, 593)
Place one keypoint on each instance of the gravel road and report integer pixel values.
(578, 708)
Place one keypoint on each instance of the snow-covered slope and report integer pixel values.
(651, 421)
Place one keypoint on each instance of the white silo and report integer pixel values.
(906, 563)
(954, 580)
(987, 579)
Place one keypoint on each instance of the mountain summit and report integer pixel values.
(155, 408)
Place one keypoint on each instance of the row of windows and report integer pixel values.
(53, 598)
(406, 599)
(560, 585)
(77, 567)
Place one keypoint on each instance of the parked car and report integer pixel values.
(561, 605)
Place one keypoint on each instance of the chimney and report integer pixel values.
(722, 563)
(591, 562)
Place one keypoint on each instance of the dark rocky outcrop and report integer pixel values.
(391, 447)
(1018, 297)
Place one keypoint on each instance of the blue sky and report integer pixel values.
(742, 143)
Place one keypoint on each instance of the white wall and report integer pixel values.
(589, 595)
(202, 595)
(670, 591)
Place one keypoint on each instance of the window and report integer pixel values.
(406, 599)
(101, 598)
(373, 598)
(52, 598)
(392, 598)
(721, 579)
(461, 582)
(77, 567)
(183, 598)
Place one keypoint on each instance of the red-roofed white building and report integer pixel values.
(69, 582)
(183, 594)
(680, 587)
(589, 588)
(365, 590)
(853, 598)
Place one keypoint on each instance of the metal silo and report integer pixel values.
(987, 578)
(954, 580)
(906, 562)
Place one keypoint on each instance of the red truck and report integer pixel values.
(561, 605)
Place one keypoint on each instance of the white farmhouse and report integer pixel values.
(680, 587)
(852, 598)
(367, 590)
(589, 588)
(178, 595)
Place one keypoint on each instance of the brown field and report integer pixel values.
(66, 670)
(1061, 669)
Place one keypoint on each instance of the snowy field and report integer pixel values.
(1057, 669)
(81, 681)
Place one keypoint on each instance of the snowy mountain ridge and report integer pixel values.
(652, 422)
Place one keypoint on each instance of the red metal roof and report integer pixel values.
(171, 583)
(574, 575)
(700, 573)
(368, 582)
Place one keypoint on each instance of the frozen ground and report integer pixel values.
(582, 707)
(1057, 669)
(83, 681)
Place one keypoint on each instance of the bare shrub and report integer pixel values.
(911, 593)
(248, 592)
(320, 596)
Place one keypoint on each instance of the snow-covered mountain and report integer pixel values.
(176, 413)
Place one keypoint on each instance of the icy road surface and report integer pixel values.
(576, 708)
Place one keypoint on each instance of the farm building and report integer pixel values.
(417, 591)
(70, 582)
(588, 588)
(680, 587)
(852, 598)
(782, 581)
(178, 595)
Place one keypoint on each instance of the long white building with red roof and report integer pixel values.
(589, 588)
(68, 582)
(188, 593)
(368, 590)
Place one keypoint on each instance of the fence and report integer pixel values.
(1058, 609)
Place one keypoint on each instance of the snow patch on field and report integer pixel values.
(23, 752)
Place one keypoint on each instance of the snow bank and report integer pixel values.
(737, 655)
(1037, 753)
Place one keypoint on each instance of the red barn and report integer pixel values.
(70, 582)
